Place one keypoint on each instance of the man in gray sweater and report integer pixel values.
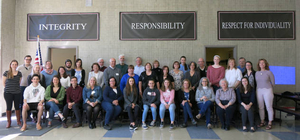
(112, 71)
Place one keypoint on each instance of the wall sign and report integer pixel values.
(256, 25)
(63, 27)
(158, 26)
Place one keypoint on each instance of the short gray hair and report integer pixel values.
(223, 80)
(99, 59)
(121, 55)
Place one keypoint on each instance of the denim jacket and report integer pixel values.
(92, 95)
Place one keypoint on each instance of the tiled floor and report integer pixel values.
(290, 130)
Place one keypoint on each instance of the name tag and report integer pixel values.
(93, 92)
(117, 74)
(149, 93)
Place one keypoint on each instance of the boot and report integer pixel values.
(8, 115)
(18, 113)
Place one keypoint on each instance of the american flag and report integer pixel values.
(38, 56)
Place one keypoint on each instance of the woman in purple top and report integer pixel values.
(265, 82)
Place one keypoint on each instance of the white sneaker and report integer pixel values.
(209, 126)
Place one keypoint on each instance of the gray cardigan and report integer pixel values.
(128, 100)
(209, 93)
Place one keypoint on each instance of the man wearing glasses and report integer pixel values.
(201, 67)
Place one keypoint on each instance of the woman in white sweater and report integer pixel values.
(97, 74)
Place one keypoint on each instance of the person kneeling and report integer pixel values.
(33, 100)
(167, 94)
(74, 100)
(150, 99)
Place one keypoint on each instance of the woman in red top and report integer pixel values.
(215, 73)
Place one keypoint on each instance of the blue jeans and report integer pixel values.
(187, 112)
(146, 108)
(53, 109)
(162, 110)
(205, 110)
(112, 111)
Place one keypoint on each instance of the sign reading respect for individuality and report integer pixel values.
(158, 26)
(63, 26)
(256, 25)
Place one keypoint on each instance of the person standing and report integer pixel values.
(250, 74)
(183, 66)
(139, 68)
(233, 75)
(215, 73)
(68, 67)
(145, 77)
(79, 72)
(242, 64)
(97, 74)
(25, 69)
(128, 75)
(100, 61)
(193, 76)
(265, 82)
(112, 71)
(36, 70)
(48, 72)
(156, 68)
(122, 66)
(202, 69)
(12, 93)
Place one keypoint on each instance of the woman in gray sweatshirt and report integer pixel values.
(205, 97)
(151, 98)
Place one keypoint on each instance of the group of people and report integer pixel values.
(137, 89)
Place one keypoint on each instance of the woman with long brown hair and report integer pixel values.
(130, 93)
(265, 82)
(12, 93)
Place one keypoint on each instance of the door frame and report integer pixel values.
(60, 47)
(222, 46)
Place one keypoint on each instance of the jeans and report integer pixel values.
(112, 111)
(205, 110)
(53, 109)
(146, 108)
(136, 111)
(162, 110)
(92, 110)
(76, 110)
(187, 112)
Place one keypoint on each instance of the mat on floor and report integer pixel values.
(201, 132)
(31, 130)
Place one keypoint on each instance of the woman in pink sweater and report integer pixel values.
(215, 73)
(167, 102)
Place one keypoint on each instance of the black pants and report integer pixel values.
(245, 114)
(10, 98)
(76, 109)
(89, 110)
(228, 113)
(136, 111)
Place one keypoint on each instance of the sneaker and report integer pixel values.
(77, 125)
(131, 127)
(145, 126)
(152, 123)
(194, 122)
(198, 116)
(184, 125)
(171, 126)
(107, 127)
(209, 126)
(135, 127)
(162, 125)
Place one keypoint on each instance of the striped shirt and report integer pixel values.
(12, 85)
